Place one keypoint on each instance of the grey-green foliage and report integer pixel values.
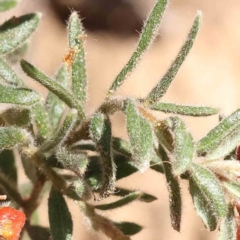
(16, 31)
(79, 154)
(76, 38)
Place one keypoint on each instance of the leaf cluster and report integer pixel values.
(53, 135)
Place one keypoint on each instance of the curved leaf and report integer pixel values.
(162, 87)
(128, 228)
(147, 36)
(16, 31)
(7, 4)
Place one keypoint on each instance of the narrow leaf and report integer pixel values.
(66, 128)
(147, 36)
(162, 87)
(65, 95)
(60, 219)
(206, 181)
(76, 38)
(100, 129)
(203, 206)
(120, 203)
(7, 4)
(228, 228)
(144, 197)
(140, 134)
(233, 188)
(54, 106)
(217, 134)
(7, 75)
(29, 168)
(174, 190)
(11, 137)
(7, 165)
(184, 146)
(184, 110)
(16, 31)
(20, 96)
(225, 146)
(40, 118)
(128, 228)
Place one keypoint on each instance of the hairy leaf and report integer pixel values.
(76, 38)
(147, 36)
(65, 95)
(100, 129)
(203, 206)
(16, 31)
(162, 87)
(140, 134)
(60, 219)
(19, 96)
(120, 203)
(11, 137)
(217, 134)
(228, 228)
(194, 111)
(174, 190)
(233, 188)
(54, 106)
(206, 181)
(184, 146)
(8, 76)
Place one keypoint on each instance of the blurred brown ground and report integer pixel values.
(210, 76)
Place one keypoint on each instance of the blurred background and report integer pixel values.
(209, 76)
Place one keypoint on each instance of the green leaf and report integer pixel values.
(144, 197)
(56, 88)
(162, 87)
(38, 232)
(225, 146)
(203, 206)
(121, 146)
(100, 129)
(40, 118)
(7, 4)
(20, 117)
(11, 137)
(16, 31)
(174, 190)
(228, 228)
(7, 165)
(147, 36)
(128, 228)
(7, 75)
(17, 54)
(60, 219)
(217, 134)
(20, 96)
(233, 188)
(77, 190)
(184, 110)
(30, 168)
(75, 162)
(206, 181)
(120, 203)
(54, 106)
(184, 146)
(141, 136)
(66, 128)
(78, 65)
